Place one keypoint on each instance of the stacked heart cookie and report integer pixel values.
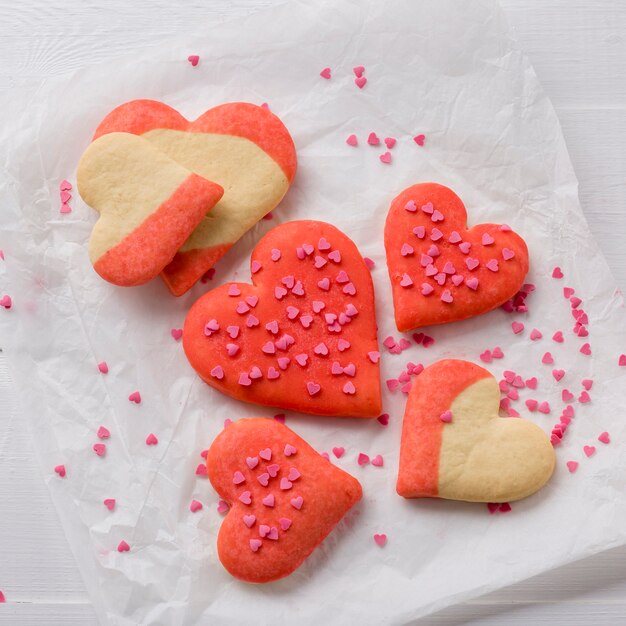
(175, 195)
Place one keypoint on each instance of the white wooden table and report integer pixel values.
(578, 48)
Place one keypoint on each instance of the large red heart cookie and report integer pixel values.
(440, 270)
(303, 336)
(455, 445)
(243, 147)
(285, 498)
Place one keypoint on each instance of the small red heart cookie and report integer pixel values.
(303, 336)
(243, 147)
(455, 445)
(285, 498)
(148, 206)
(440, 270)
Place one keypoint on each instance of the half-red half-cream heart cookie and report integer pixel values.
(302, 336)
(456, 446)
(243, 147)
(440, 270)
(284, 498)
(148, 203)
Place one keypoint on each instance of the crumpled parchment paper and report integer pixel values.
(447, 69)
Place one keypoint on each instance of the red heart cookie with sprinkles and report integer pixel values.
(285, 498)
(456, 446)
(440, 270)
(243, 147)
(302, 336)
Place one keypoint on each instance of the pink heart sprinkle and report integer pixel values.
(471, 263)
(193, 59)
(232, 349)
(289, 450)
(358, 70)
(242, 308)
(437, 216)
(280, 293)
(378, 461)
(272, 373)
(435, 235)
(390, 142)
(99, 448)
(492, 265)
(294, 474)
(255, 267)
(275, 255)
(65, 197)
(285, 484)
(335, 256)
(369, 263)
(285, 523)
(446, 296)
(338, 452)
(622, 360)
(176, 333)
(568, 292)
(572, 466)
(349, 289)
(446, 416)
(383, 419)
(558, 336)
(535, 334)
(557, 273)
(321, 349)
(566, 395)
(268, 500)
(448, 268)
(109, 503)
(297, 502)
(485, 356)
(360, 82)
(568, 411)
(532, 404)
(363, 459)
(103, 367)
(343, 345)
(233, 290)
(255, 544)
(249, 520)
(543, 407)
(547, 359)
(264, 479)
(65, 208)
(406, 281)
(465, 247)
(122, 546)
(195, 506)
(272, 327)
(385, 157)
(604, 437)
(252, 461)
(349, 388)
(60, 470)
(472, 283)
(380, 539)
(373, 139)
(325, 73)
(585, 349)
(419, 231)
(440, 278)
(245, 497)
(352, 140)
(65, 185)
(589, 450)
(406, 249)
(558, 374)
(517, 327)
(419, 139)
(507, 254)
(135, 397)
(497, 353)
(103, 433)
(238, 478)
(217, 372)
(427, 289)
(320, 262)
(584, 398)
(587, 383)
(283, 362)
(487, 239)
(266, 454)
(151, 440)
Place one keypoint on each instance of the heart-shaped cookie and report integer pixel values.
(455, 446)
(243, 147)
(440, 270)
(285, 498)
(148, 205)
(303, 336)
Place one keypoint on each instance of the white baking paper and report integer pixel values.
(448, 69)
